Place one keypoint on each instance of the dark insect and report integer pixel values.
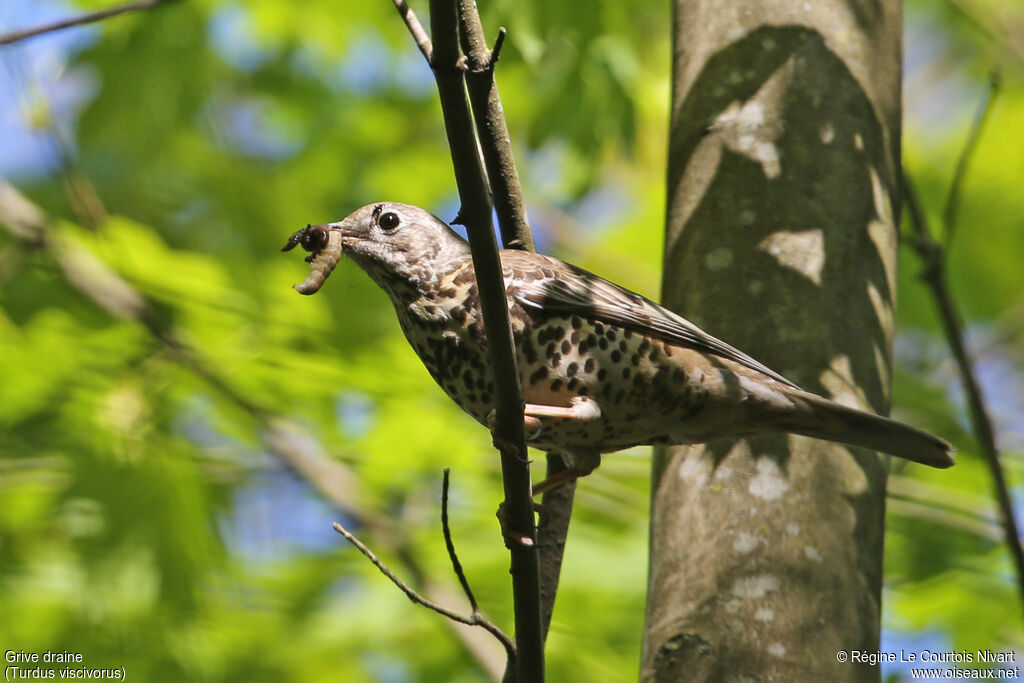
(313, 238)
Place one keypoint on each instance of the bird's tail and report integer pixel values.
(836, 422)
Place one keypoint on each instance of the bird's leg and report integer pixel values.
(531, 426)
(578, 464)
(556, 480)
(581, 409)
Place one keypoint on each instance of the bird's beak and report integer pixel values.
(347, 228)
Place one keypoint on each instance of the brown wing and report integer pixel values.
(543, 283)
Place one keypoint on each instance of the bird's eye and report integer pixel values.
(388, 221)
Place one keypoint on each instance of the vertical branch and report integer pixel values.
(507, 195)
(416, 29)
(508, 428)
(449, 66)
(949, 213)
(495, 142)
(934, 275)
(552, 535)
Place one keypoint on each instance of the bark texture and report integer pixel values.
(783, 201)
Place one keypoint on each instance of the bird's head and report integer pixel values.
(398, 245)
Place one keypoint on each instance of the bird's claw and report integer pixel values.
(532, 427)
(515, 538)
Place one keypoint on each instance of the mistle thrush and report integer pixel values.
(602, 368)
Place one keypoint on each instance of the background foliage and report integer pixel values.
(147, 522)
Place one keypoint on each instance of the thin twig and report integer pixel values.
(416, 29)
(402, 585)
(496, 50)
(475, 619)
(91, 17)
(934, 275)
(508, 433)
(450, 545)
(510, 648)
(949, 213)
(495, 144)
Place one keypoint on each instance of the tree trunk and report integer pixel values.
(783, 205)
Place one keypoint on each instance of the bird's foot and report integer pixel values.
(531, 426)
(518, 538)
(556, 480)
(582, 409)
